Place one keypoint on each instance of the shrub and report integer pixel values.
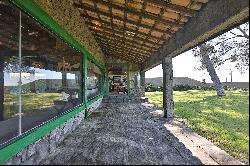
(182, 87)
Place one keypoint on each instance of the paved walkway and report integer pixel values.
(126, 133)
(122, 134)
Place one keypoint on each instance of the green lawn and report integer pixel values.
(30, 101)
(223, 120)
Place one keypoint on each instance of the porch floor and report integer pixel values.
(123, 133)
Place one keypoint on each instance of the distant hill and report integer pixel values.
(157, 81)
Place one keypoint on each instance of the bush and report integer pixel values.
(149, 87)
(183, 88)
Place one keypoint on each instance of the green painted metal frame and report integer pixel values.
(12, 149)
(34, 10)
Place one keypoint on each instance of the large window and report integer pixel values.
(38, 81)
(94, 79)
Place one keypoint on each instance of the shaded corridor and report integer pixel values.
(124, 133)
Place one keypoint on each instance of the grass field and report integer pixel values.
(30, 101)
(223, 120)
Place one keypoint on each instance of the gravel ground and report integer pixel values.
(124, 133)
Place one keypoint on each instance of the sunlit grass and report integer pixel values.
(223, 120)
(30, 102)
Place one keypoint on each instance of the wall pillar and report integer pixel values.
(142, 74)
(1, 87)
(168, 102)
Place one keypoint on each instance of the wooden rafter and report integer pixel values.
(177, 8)
(144, 14)
(119, 39)
(124, 44)
(135, 29)
(119, 48)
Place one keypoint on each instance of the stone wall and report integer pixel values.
(34, 153)
(68, 16)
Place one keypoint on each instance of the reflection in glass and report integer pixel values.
(9, 66)
(93, 80)
(50, 73)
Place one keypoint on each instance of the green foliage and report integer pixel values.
(149, 87)
(223, 120)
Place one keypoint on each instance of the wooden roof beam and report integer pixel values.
(119, 31)
(179, 9)
(139, 13)
(122, 56)
(118, 48)
(119, 39)
(121, 43)
(117, 18)
(109, 33)
(130, 54)
(106, 23)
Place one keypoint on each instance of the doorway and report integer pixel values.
(117, 74)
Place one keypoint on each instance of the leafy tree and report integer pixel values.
(232, 46)
(149, 87)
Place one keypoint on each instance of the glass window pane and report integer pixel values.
(94, 78)
(52, 76)
(50, 73)
(9, 71)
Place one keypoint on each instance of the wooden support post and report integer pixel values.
(1, 88)
(168, 103)
(142, 74)
(128, 78)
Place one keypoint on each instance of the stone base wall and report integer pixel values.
(34, 153)
(135, 94)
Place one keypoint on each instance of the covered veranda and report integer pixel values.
(101, 49)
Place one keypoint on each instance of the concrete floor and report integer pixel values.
(125, 133)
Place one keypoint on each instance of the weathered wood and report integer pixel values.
(134, 11)
(128, 49)
(179, 9)
(105, 24)
(127, 41)
(122, 43)
(121, 19)
(101, 31)
(168, 102)
(215, 18)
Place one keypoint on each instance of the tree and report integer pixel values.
(204, 51)
(232, 46)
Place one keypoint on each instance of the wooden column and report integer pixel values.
(168, 103)
(142, 74)
(1, 87)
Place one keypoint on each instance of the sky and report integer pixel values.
(185, 64)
